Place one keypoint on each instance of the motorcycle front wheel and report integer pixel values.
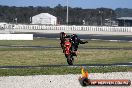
(62, 36)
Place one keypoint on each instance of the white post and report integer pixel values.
(67, 13)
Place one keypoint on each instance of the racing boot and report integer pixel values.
(74, 53)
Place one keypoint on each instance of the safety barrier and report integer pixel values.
(84, 29)
(73, 28)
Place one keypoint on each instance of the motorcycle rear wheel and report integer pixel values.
(70, 60)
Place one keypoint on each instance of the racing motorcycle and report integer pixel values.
(66, 45)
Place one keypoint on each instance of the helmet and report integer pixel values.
(74, 35)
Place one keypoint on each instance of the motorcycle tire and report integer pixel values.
(70, 60)
(62, 36)
(85, 81)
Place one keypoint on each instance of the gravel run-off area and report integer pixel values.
(60, 81)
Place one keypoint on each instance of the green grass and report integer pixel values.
(41, 56)
(61, 71)
(33, 56)
(54, 42)
(107, 44)
(35, 42)
(104, 56)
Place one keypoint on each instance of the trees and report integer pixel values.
(76, 15)
(123, 12)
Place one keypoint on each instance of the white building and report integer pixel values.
(44, 18)
(3, 25)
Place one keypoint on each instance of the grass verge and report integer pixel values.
(40, 56)
(55, 42)
(61, 70)
(37, 57)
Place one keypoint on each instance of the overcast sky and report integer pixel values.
(73, 3)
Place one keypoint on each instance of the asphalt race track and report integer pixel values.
(90, 37)
(76, 65)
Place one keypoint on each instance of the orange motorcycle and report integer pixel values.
(66, 46)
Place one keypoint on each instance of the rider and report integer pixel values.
(66, 38)
(75, 42)
(62, 41)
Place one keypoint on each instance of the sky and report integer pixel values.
(72, 3)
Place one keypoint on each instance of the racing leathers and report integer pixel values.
(75, 42)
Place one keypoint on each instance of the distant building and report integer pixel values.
(109, 22)
(3, 25)
(45, 19)
(124, 21)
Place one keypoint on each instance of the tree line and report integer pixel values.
(77, 16)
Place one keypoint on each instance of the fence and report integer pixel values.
(84, 29)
